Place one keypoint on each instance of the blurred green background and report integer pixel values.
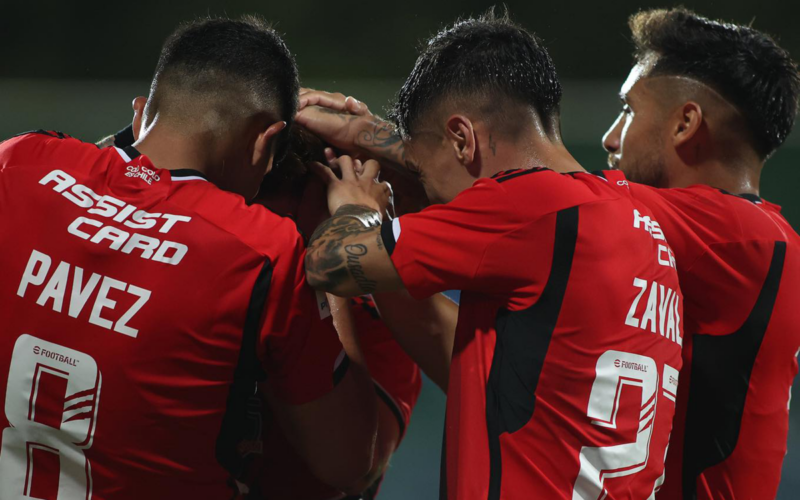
(76, 66)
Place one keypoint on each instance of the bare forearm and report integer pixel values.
(380, 140)
(340, 252)
(425, 329)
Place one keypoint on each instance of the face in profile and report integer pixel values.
(636, 140)
(432, 158)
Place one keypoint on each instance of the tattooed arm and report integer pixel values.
(345, 254)
(349, 126)
(347, 258)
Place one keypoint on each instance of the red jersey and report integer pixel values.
(739, 268)
(567, 350)
(281, 474)
(139, 308)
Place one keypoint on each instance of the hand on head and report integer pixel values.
(358, 185)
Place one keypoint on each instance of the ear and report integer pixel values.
(138, 105)
(688, 124)
(461, 134)
(264, 147)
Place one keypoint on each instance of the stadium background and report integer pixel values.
(76, 66)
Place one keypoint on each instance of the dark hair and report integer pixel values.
(744, 65)
(291, 171)
(489, 56)
(205, 54)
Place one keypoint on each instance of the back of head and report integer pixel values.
(746, 67)
(488, 61)
(213, 71)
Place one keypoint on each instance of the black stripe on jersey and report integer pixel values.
(719, 381)
(51, 133)
(747, 196)
(132, 152)
(387, 235)
(187, 172)
(519, 174)
(124, 137)
(523, 338)
(340, 371)
(390, 402)
(236, 424)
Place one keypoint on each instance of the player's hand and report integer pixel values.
(333, 101)
(358, 185)
(337, 119)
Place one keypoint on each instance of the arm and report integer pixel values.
(425, 329)
(346, 255)
(347, 258)
(336, 433)
(348, 125)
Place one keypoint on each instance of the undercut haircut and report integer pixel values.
(745, 66)
(490, 58)
(242, 63)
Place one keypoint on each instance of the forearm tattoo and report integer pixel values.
(332, 259)
(383, 141)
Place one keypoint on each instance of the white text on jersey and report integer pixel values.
(150, 248)
(661, 310)
(37, 270)
(665, 257)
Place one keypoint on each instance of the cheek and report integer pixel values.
(633, 137)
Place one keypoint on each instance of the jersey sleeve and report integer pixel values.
(299, 341)
(470, 243)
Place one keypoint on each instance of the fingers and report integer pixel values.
(347, 167)
(324, 173)
(355, 107)
(323, 99)
(371, 169)
(335, 101)
(330, 155)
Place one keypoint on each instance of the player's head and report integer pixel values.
(700, 91)
(282, 188)
(477, 83)
(231, 84)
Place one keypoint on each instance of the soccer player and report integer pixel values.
(142, 300)
(280, 473)
(703, 108)
(567, 351)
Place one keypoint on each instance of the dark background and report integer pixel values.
(75, 66)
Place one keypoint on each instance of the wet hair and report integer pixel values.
(742, 64)
(486, 58)
(240, 63)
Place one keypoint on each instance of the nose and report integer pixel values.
(611, 139)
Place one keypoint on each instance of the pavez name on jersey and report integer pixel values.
(139, 307)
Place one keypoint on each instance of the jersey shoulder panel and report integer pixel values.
(537, 192)
(254, 225)
(53, 149)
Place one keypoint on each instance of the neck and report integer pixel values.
(171, 149)
(738, 179)
(533, 152)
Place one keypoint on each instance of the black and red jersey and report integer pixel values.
(139, 306)
(568, 346)
(738, 261)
